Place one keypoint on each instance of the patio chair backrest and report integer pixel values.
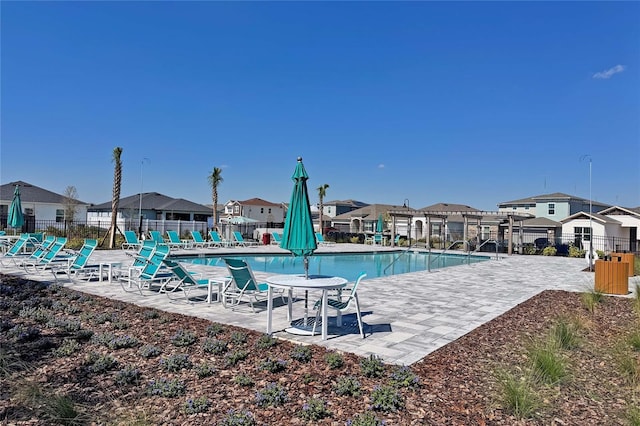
(215, 237)
(238, 236)
(174, 237)
(157, 237)
(197, 237)
(82, 257)
(18, 245)
(242, 274)
(276, 237)
(131, 237)
(178, 270)
(54, 250)
(319, 237)
(43, 247)
(154, 262)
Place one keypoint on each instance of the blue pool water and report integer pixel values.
(346, 265)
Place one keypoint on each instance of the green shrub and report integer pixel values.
(234, 357)
(205, 370)
(238, 338)
(347, 386)
(265, 341)
(314, 410)
(576, 252)
(183, 338)
(237, 418)
(122, 342)
(150, 351)
(386, 398)
(404, 377)
(590, 299)
(549, 251)
(372, 366)
(366, 419)
(68, 347)
(243, 380)
(301, 353)
(176, 362)
(102, 363)
(334, 360)
(273, 365)
(517, 396)
(128, 375)
(214, 346)
(273, 394)
(547, 363)
(166, 388)
(565, 333)
(196, 405)
(214, 329)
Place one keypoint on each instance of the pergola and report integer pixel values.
(467, 216)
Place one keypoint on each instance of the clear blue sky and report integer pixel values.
(473, 103)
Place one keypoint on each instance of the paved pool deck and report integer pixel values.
(406, 316)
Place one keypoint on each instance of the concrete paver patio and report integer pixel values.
(406, 316)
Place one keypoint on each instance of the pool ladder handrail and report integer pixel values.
(489, 241)
(399, 256)
(430, 261)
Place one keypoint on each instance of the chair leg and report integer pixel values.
(359, 316)
(315, 322)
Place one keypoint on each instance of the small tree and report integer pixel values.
(322, 191)
(70, 203)
(215, 179)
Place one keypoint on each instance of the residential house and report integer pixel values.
(150, 209)
(38, 204)
(363, 219)
(257, 209)
(614, 229)
(338, 207)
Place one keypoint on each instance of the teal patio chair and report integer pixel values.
(175, 241)
(244, 285)
(240, 241)
(276, 238)
(79, 263)
(131, 241)
(16, 250)
(199, 241)
(47, 259)
(144, 278)
(40, 249)
(184, 282)
(156, 236)
(341, 302)
(217, 240)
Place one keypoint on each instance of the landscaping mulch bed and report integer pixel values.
(61, 349)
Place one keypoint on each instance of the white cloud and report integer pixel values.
(607, 74)
(381, 166)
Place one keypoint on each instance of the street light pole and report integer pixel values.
(584, 157)
(140, 203)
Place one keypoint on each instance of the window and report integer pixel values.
(236, 209)
(261, 210)
(269, 210)
(28, 212)
(582, 234)
(552, 209)
(59, 215)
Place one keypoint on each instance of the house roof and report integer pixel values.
(32, 194)
(154, 201)
(556, 196)
(259, 202)
(624, 211)
(594, 216)
(348, 203)
(540, 222)
(369, 212)
(449, 207)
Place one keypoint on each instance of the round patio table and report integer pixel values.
(291, 282)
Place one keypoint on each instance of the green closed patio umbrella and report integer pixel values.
(298, 235)
(380, 224)
(15, 219)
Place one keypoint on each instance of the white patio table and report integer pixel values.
(291, 282)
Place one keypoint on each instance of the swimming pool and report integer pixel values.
(346, 265)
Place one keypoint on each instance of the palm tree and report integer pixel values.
(117, 182)
(215, 179)
(322, 191)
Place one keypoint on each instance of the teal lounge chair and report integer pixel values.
(39, 251)
(244, 285)
(175, 241)
(276, 238)
(341, 302)
(16, 249)
(156, 236)
(150, 274)
(240, 241)
(46, 261)
(131, 241)
(185, 282)
(217, 240)
(200, 242)
(79, 265)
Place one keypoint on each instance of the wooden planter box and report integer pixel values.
(612, 277)
(624, 257)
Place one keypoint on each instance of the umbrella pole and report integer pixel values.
(306, 292)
